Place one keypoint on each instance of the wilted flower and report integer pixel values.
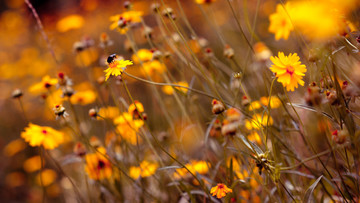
(44, 136)
(217, 106)
(288, 70)
(59, 111)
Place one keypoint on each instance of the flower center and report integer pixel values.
(290, 70)
(220, 186)
(47, 85)
(44, 131)
(101, 164)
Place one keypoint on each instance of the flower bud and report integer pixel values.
(16, 94)
(217, 106)
(93, 113)
(79, 149)
(228, 52)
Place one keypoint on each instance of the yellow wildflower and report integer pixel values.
(109, 112)
(70, 22)
(254, 105)
(145, 169)
(48, 176)
(258, 121)
(32, 164)
(169, 90)
(128, 16)
(254, 137)
(274, 102)
(143, 55)
(128, 127)
(44, 136)
(44, 85)
(280, 23)
(83, 97)
(220, 190)
(14, 147)
(288, 70)
(98, 167)
(201, 167)
(135, 109)
(116, 67)
(154, 66)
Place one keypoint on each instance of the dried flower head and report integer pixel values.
(60, 111)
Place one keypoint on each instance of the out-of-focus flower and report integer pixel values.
(201, 167)
(143, 55)
(44, 85)
(262, 52)
(254, 105)
(258, 121)
(217, 106)
(105, 40)
(135, 109)
(288, 70)
(128, 127)
(274, 102)
(14, 147)
(121, 21)
(59, 111)
(44, 136)
(79, 149)
(204, 1)
(280, 23)
(109, 112)
(254, 137)
(69, 23)
(83, 97)
(145, 169)
(32, 164)
(17, 93)
(153, 67)
(169, 90)
(15, 179)
(98, 167)
(48, 176)
(220, 190)
(116, 67)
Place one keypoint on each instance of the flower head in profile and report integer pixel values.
(44, 85)
(44, 136)
(116, 66)
(98, 167)
(280, 23)
(220, 190)
(288, 70)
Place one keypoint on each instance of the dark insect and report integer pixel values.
(111, 58)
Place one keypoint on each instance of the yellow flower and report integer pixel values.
(135, 109)
(70, 22)
(288, 70)
(109, 112)
(274, 102)
(116, 67)
(32, 164)
(44, 85)
(14, 147)
(44, 136)
(204, 1)
(83, 97)
(280, 23)
(254, 137)
(254, 105)
(258, 121)
(169, 90)
(201, 167)
(143, 55)
(48, 176)
(98, 167)
(128, 16)
(128, 127)
(220, 190)
(154, 66)
(145, 169)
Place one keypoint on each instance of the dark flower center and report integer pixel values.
(101, 164)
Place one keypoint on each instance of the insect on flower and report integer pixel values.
(116, 66)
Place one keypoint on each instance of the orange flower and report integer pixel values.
(288, 70)
(280, 23)
(98, 167)
(220, 190)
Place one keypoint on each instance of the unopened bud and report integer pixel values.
(17, 93)
(217, 107)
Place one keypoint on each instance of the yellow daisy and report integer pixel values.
(288, 70)
(44, 136)
(116, 67)
(280, 23)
